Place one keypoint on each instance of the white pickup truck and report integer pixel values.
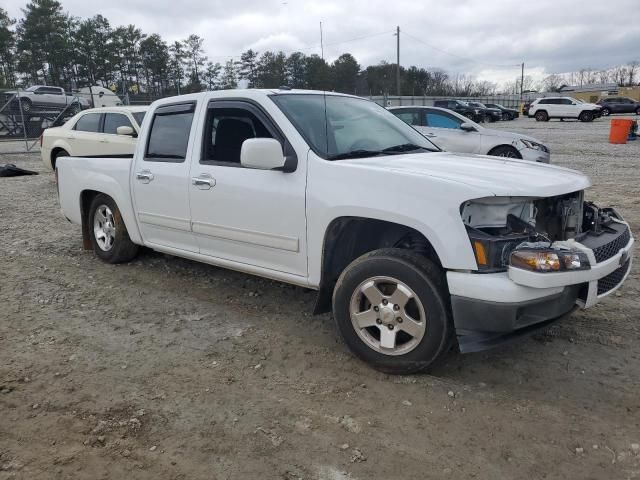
(414, 249)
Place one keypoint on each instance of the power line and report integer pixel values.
(460, 56)
(314, 46)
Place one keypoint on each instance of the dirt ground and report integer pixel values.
(169, 369)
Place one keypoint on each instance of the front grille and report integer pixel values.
(613, 279)
(612, 248)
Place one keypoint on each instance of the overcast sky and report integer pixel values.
(488, 38)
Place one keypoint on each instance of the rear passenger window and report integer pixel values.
(114, 120)
(169, 135)
(410, 118)
(88, 123)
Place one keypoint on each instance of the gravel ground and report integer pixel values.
(165, 368)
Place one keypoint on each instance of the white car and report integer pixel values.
(97, 131)
(543, 109)
(413, 247)
(453, 132)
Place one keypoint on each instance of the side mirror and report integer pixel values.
(125, 130)
(467, 127)
(262, 154)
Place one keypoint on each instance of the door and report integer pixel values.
(85, 137)
(160, 182)
(113, 143)
(569, 108)
(249, 216)
(627, 105)
(443, 129)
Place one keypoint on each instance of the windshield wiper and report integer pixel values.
(405, 147)
(360, 153)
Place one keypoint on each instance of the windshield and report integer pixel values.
(31, 89)
(354, 127)
(138, 116)
(478, 104)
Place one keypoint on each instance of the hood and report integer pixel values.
(496, 175)
(512, 135)
(594, 105)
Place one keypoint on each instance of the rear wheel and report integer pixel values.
(586, 116)
(108, 232)
(391, 307)
(56, 155)
(541, 116)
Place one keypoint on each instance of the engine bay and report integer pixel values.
(497, 226)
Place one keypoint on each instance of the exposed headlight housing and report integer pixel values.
(534, 145)
(549, 260)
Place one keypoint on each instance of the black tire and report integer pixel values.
(428, 283)
(638, 111)
(505, 151)
(122, 248)
(25, 105)
(54, 157)
(541, 116)
(586, 116)
(605, 112)
(506, 116)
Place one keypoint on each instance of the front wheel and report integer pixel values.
(108, 232)
(605, 112)
(638, 111)
(25, 105)
(391, 307)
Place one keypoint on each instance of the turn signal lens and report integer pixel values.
(539, 261)
(481, 253)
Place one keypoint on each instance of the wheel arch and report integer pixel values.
(86, 197)
(349, 237)
(505, 145)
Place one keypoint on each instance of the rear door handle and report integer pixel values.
(203, 181)
(430, 135)
(145, 176)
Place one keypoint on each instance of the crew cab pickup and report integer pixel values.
(414, 249)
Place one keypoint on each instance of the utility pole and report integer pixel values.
(398, 60)
(522, 82)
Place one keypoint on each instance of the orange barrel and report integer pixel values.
(620, 128)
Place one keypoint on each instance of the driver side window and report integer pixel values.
(442, 120)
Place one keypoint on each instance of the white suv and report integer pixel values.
(543, 109)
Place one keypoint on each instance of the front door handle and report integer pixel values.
(430, 135)
(203, 181)
(145, 176)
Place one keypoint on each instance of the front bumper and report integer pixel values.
(489, 309)
(535, 155)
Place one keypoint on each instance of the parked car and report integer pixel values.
(96, 131)
(543, 109)
(452, 132)
(463, 108)
(507, 113)
(409, 245)
(42, 97)
(489, 114)
(618, 105)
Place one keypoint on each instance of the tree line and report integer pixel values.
(49, 46)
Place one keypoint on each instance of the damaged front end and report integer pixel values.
(553, 241)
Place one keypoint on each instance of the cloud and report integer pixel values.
(487, 39)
